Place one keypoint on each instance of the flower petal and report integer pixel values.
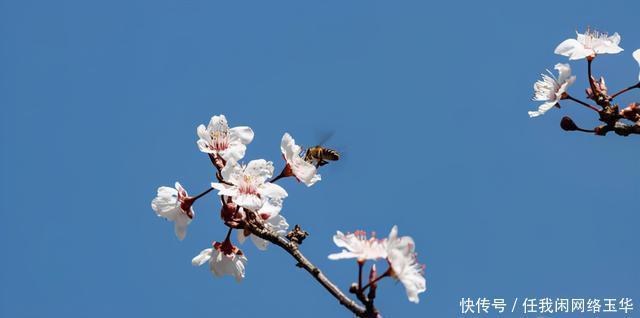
(180, 227)
(278, 223)
(235, 152)
(568, 47)
(342, 255)
(225, 189)
(272, 190)
(542, 109)
(202, 258)
(636, 55)
(289, 148)
(259, 169)
(259, 243)
(231, 171)
(243, 134)
(248, 201)
(241, 236)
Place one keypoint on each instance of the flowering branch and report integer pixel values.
(251, 205)
(550, 89)
(256, 228)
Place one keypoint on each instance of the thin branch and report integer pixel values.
(385, 274)
(360, 265)
(625, 90)
(202, 194)
(292, 248)
(567, 96)
(286, 172)
(280, 176)
(591, 83)
(585, 130)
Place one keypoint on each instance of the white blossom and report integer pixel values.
(224, 259)
(589, 44)
(248, 187)
(174, 204)
(218, 139)
(357, 245)
(551, 89)
(636, 55)
(404, 266)
(303, 171)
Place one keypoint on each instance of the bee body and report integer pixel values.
(320, 156)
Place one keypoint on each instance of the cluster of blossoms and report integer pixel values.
(550, 90)
(252, 202)
(399, 253)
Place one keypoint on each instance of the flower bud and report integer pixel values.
(567, 124)
(600, 87)
(228, 211)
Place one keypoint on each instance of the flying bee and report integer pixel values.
(320, 156)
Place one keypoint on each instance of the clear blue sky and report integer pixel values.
(428, 100)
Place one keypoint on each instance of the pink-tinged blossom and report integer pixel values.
(550, 89)
(296, 165)
(404, 266)
(357, 245)
(224, 259)
(636, 55)
(248, 187)
(589, 44)
(174, 204)
(218, 139)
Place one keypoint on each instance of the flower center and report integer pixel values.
(219, 137)
(592, 38)
(248, 185)
(226, 247)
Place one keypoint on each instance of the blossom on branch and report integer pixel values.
(550, 89)
(404, 266)
(636, 55)
(218, 139)
(174, 204)
(589, 44)
(224, 259)
(357, 245)
(296, 165)
(247, 186)
(398, 251)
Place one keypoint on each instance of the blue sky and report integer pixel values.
(428, 102)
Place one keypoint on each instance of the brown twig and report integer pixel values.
(567, 96)
(256, 228)
(625, 90)
(589, 76)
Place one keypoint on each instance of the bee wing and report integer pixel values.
(324, 137)
(303, 152)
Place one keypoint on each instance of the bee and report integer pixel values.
(320, 156)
